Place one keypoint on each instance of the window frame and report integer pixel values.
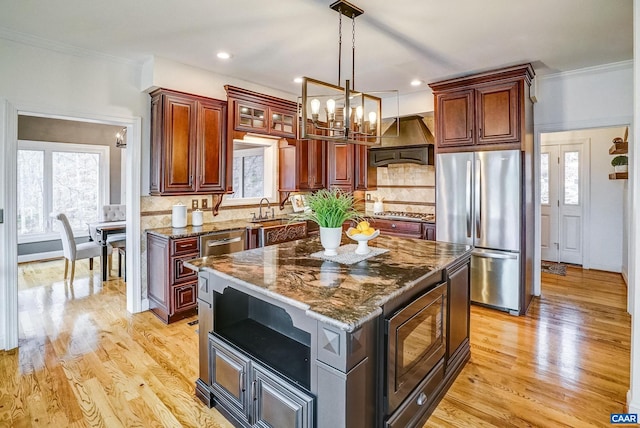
(270, 151)
(48, 147)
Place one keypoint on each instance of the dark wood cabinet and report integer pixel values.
(263, 118)
(340, 165)
(301, 165)
(429, 231)
(172, 287)
(484, 111)
(497, 114)
(404, 229)
(455, 119)
(348, 167)
(188, 135)
(458, 309)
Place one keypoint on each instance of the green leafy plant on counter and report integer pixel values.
(329, 208)
(620, 160)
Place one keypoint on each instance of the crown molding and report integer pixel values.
(596, 69)
(39, 42)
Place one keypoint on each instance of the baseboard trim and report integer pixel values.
(40, 256)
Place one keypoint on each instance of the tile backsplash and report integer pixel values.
(405, 187)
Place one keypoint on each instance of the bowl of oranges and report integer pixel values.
(362, 233)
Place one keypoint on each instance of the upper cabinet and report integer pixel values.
(302, 165)
(188, 143)
(262, 114)
(486, 111)
(348, 167)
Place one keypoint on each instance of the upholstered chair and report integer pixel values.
(116, 212)
(73, 251)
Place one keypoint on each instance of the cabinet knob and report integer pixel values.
(422, 398)
(393, 225)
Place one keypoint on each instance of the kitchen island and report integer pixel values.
(294, 340)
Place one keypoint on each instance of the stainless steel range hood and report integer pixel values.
(414, 143)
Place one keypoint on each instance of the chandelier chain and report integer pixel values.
(339, 44)
(353, 51)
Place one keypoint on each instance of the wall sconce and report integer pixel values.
(121, 139)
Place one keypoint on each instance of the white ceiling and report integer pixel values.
(396, 41)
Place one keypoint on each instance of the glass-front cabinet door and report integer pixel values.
(282, 124)
(251, 118)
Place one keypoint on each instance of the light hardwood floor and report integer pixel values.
(84, 361)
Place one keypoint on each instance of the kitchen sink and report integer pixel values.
(274, 222)
(276, 231)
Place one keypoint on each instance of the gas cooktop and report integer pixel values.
(401, 215)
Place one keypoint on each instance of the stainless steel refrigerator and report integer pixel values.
(478, 202)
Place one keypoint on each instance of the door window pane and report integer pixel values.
(571, 178)
(544, 178)
(75, 190)
(31, 217)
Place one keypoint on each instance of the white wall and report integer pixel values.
(590, 96)
(604, 222)
(70, 81)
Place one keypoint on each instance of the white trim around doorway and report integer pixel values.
(540, 129)
(8, 197)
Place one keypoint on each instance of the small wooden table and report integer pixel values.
(103, 230)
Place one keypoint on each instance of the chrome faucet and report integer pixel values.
(266, 215)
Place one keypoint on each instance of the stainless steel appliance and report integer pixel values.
(416, 342)
(213, 244)
(478, 202)
(224, 242)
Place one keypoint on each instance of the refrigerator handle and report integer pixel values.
(478, 208)
(468, 198)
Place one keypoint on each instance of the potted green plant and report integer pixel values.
(330, 209)
(620, 163)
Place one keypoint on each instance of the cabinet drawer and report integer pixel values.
(185, 245)
(180, 273)
(184, 297)
(414, 407)
(410, 229)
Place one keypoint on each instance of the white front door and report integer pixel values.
(549, 202)
(562, 178)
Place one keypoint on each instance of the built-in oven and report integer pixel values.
(416, 342)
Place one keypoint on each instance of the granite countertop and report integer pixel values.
(189, 231)
(343, 295)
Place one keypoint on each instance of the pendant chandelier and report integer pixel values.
(339, 112)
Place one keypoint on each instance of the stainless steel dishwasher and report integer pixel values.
(212, 244)
(224, 242)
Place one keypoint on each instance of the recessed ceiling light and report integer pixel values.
(416, 82)
(298, 80)
(223, 55)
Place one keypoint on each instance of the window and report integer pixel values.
(254, 170)
(59, 177)
(572, 178)
(248, 173)
(544, 178)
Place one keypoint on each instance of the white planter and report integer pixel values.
(330, 239)
(621, 168)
